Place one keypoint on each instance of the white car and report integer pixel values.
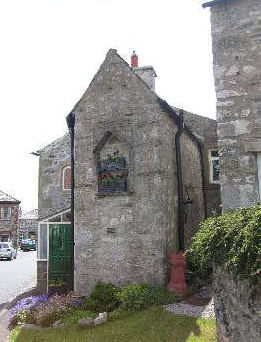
(7, 251)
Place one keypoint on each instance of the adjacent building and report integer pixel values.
(236, 36)
(9, 213)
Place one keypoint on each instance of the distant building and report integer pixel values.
(9, 213)
(28, 225)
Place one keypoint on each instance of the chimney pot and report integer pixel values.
(134, 60)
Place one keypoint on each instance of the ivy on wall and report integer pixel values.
(231, 240)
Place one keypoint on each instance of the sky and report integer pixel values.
(51, 49)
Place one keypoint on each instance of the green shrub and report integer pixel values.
(103, 298)
(232, 240)
(139, 297)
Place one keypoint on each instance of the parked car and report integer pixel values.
(28, 245)
(7, 251)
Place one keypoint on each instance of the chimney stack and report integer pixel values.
(146, 73)
(134, 60)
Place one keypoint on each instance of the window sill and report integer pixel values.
(103, 194)
(214, 183)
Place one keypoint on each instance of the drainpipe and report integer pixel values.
(178, 267)
(70, 119)
(181, 203)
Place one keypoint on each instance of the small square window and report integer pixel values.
(6, 213)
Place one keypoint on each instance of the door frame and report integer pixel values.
(48, 221)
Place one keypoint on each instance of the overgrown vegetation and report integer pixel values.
(232, 240)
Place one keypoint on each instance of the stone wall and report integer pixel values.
(192, 179)
(236, 35)
(53, 158)
(125, 238)
(206, 129)
(238, 308)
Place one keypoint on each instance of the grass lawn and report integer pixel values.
(154, 325)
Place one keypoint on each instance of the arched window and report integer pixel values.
(67, 178)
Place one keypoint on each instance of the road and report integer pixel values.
(17, 276)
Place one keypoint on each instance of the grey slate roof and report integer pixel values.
(7, 198)
(216, 2)
(198, 124)
(30, 215)
(50, 147)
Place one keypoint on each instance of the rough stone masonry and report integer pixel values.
(236, 35)
(126, 237)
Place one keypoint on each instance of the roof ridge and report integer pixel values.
(8, 197)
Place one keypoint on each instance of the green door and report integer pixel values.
(60, 271)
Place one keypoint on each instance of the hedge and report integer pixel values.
(231, 240)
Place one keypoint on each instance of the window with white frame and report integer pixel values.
(6, 213)
(259, 173)
(214, 167)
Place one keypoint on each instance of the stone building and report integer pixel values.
(140, 173)
(206, 131)
(236, 35)
(28, 225)
(9, 213)
(54, 177)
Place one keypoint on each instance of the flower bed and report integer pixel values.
(42, 310)
(21, 311)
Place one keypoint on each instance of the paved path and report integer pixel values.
(199, 305)
(16, 277)
(205, 311)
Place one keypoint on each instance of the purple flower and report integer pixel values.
(76, 302)
(27, 303)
